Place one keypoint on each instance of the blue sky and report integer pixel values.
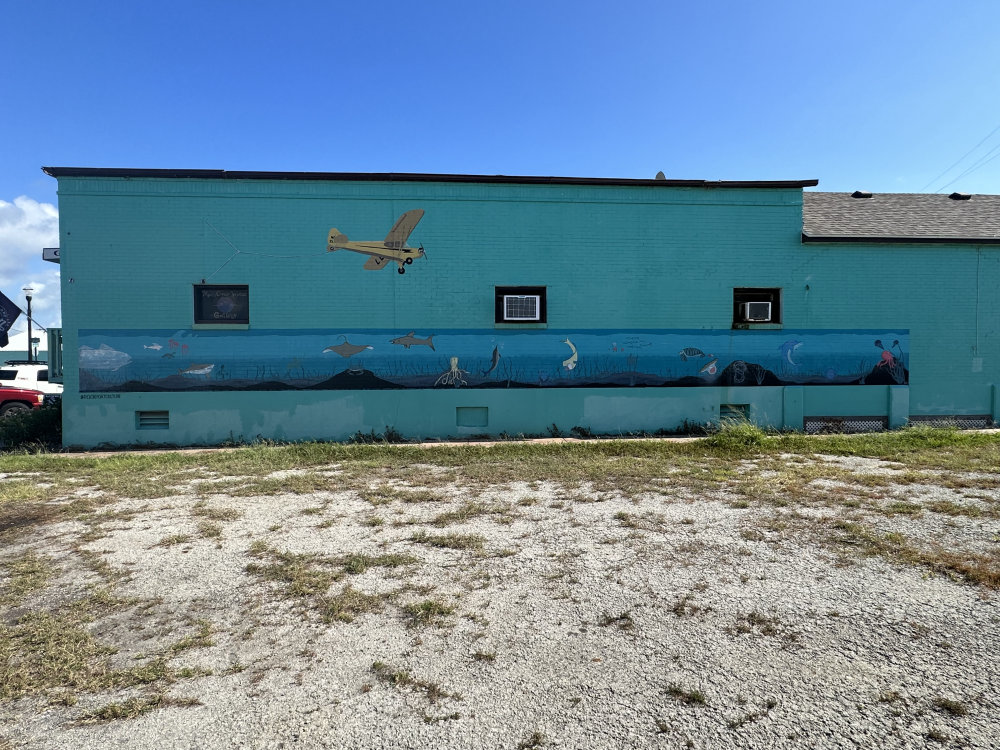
(881, 95)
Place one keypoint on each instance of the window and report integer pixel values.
(752, 306)
(221, 304)
(520, 304)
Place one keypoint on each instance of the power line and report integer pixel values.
(990, 135)
(981, 162)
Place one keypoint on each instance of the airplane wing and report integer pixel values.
(375, 262)
(400, 232)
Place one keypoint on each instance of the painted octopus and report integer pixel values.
(888, 360)
(453, 376)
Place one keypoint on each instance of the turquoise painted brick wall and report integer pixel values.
(639, 257)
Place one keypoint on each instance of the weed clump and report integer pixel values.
(737, 438)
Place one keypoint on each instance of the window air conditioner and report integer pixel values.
(755, 312)
(521, 307)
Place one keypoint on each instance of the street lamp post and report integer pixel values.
(27, 295)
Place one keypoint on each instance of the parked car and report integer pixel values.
(18, 400)
(20, 373)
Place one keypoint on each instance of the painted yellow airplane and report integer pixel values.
(392, 248)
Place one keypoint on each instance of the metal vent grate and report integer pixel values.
(822, 425)
(734, 412)
(961, 421)
(152, 420)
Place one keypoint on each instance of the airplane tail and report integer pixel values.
(336, 240)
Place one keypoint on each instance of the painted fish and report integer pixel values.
(154, 347)
(690, 352)
(493, 362)
(788, 349)
(710, 368)
(570, 363)
(198, 369)
(102, 358)
(410, 340)
(167, 355)
(347, 349)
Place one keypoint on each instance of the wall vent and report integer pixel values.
(828, 425)
(734, 412)
(152, 420)
(472, 416)
(960, 421)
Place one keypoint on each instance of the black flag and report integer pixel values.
(8, 314)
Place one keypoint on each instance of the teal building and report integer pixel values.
(201, 306)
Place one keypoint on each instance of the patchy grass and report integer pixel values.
(449, 541)
(690, 697)
(469, 510)
(299, 575)
(359, 563)
(402, 678)
(347, 605)
(212, 513)
(26, 574)
(427, 612)
(621, 621)
(982, 569)
(173, 540)
(752, 716)
(134, 707)
(950, 706)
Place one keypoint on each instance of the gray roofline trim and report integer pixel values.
(884, 240)
(221, 174)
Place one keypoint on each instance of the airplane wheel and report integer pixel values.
(401, 269)
(409, 261)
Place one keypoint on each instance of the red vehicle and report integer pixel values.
(18, 400)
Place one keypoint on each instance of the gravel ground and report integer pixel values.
(557, 618)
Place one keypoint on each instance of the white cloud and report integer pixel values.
(26, 226)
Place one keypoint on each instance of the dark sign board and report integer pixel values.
(221, 303)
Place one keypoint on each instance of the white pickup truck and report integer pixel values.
(20, 373)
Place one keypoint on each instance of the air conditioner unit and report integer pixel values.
(755, 312)
(521, 307)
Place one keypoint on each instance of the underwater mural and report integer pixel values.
(370, 359)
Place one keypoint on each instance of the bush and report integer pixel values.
(38, 429)
(737, 437)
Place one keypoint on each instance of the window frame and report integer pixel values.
(500, 293)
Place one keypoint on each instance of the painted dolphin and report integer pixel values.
(346, 348)
(788, 349)
(154, 347)
(494, 361)
(102, 358)
(570, 363)
(410, 340)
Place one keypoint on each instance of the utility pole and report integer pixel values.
(27, 295)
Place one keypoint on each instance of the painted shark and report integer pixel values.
(410, 340)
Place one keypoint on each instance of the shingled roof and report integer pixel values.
(901, 218)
